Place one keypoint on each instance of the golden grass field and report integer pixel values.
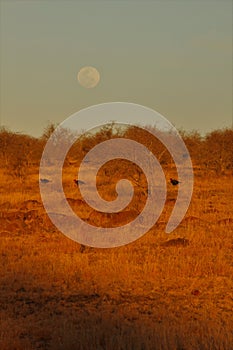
(164, 291)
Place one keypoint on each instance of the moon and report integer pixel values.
(88, 77)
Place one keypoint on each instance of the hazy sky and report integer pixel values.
(173, 56)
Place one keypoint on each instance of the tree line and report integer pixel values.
(212, 153)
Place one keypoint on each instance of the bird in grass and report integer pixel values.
(79, 182)
(44, 181)
(174, 182)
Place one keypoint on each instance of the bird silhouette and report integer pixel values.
(79, 182)
(174, 182)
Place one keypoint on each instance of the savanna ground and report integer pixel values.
(163, 291)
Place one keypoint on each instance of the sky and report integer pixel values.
(174, 56)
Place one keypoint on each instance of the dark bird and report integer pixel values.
(174, 182)
(44, 181)
(79, 182)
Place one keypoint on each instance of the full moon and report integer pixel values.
(88, 77)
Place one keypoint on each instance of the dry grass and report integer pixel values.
(161, 292)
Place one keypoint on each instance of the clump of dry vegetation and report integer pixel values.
(160, 292)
